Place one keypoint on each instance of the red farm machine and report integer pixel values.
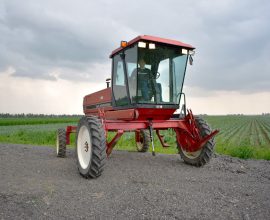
(146, 87)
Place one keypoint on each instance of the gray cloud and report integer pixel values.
(37, 39)
(75, 39)
(234, 53)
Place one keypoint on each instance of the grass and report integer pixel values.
(43, 134)
(240, 136)
(34, 120)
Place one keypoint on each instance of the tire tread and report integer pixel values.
(207, 149)
(99, 156)
(61, 133)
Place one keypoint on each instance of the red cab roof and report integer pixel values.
(154, 39)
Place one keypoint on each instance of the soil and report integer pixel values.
(35, 184)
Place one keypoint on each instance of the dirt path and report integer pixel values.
(34, 184)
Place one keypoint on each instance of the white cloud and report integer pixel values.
(23, 95)
(226, 102)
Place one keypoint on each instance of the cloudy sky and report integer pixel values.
(54, 52)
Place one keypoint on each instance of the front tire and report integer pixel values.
(90, 147)
(203, 155)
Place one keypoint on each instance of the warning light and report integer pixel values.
(124, 44)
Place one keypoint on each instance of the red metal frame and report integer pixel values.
(161, 139)
(187, 133)
(112, 143)
(69, 130)
(138, 138)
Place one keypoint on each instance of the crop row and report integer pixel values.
(242, 136)
(242, 130)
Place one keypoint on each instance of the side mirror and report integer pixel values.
(191, 53)
(108, 80)
(190, 60)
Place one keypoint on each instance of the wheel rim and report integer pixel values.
(84, 147)
(139, 146)
(57, 144)
(140, 143)
(191, 155)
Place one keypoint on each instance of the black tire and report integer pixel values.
(91, 157)
(202, 156)
(144, 143)
(61, 142)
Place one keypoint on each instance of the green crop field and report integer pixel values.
(33, 130)
(36, 120)
(240, 136)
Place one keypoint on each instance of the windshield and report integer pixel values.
(160, 74)
(150, 76)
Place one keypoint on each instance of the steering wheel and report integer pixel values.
(155, 77)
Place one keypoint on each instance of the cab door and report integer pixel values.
(124, 77)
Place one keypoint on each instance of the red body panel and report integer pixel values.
(134, 114)
(100, 99)
(155, 113)
(125, 114)
(103, 100)
(138, 114)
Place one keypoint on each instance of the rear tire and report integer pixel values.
(90, 147)
(144, 143)
(202, 156)
(61, 142)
